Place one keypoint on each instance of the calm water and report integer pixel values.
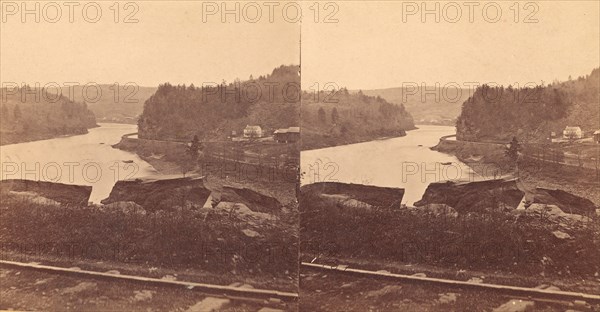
(90, 160)
(405, 162)
(85, 159)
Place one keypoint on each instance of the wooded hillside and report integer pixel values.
(531, 114)
(214, 111)
(345, 118)
(27, 117)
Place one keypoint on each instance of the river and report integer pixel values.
(406, 162)
(87, 159)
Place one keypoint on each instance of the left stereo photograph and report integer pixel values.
(150, 156)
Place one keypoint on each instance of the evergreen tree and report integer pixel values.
(4, 112)
(17, 112)
(512, 152)
(194, 148)
(322, 116)
(334, 115)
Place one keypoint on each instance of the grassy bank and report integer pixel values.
(210, 241)
(494, 240)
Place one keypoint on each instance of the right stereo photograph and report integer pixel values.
(450, 156)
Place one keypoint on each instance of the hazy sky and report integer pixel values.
(169, 43)
(369, 47)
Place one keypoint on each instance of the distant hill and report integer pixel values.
(423, 105)
(346, 118)
(531, 114)
(123, 104)
(180, 112)
(47, 117)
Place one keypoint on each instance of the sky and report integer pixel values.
(372, 47)
(368, 45)
(169, 43)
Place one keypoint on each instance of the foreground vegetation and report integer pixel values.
(491, 240)
(209, 240)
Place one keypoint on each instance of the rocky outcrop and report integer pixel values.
(126, 207)
(437, 210)
(344, 201)
(255, 201)
(242, 212)
(566, 201)
(48, 192)
(473, 196)
(164, 193)
(553, 214)
(356, 195)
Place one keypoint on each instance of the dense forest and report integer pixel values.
(29, 114)
(215, 111)
(531, 113)
(342, 117)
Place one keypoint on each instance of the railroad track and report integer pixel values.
(534, 293)
(231, 292)
(253, 294)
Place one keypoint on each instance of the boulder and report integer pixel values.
(127, 207)
(473, 196)
(344, 202)
(65, 194)
(438, 210)
(553, 214)
(447, 298)
(35, 198)
(250, 233)
(389, 290)
(566, 201)
(255, 201)
(357, 194)
(163, 193)
(561, 235)
(242, 211)
(516, 305)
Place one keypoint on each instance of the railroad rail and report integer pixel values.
(513, 290)
(237, 293)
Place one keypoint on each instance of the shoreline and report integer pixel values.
(41, 137)
(487, 157)
(379, 138)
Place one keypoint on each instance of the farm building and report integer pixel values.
(573, 133)
(289, 135)
(253, 132)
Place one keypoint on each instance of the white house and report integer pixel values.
(572, 133)
(253, 132)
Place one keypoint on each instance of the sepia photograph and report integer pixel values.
(270, 156)
(450, 157)
(150, 157)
